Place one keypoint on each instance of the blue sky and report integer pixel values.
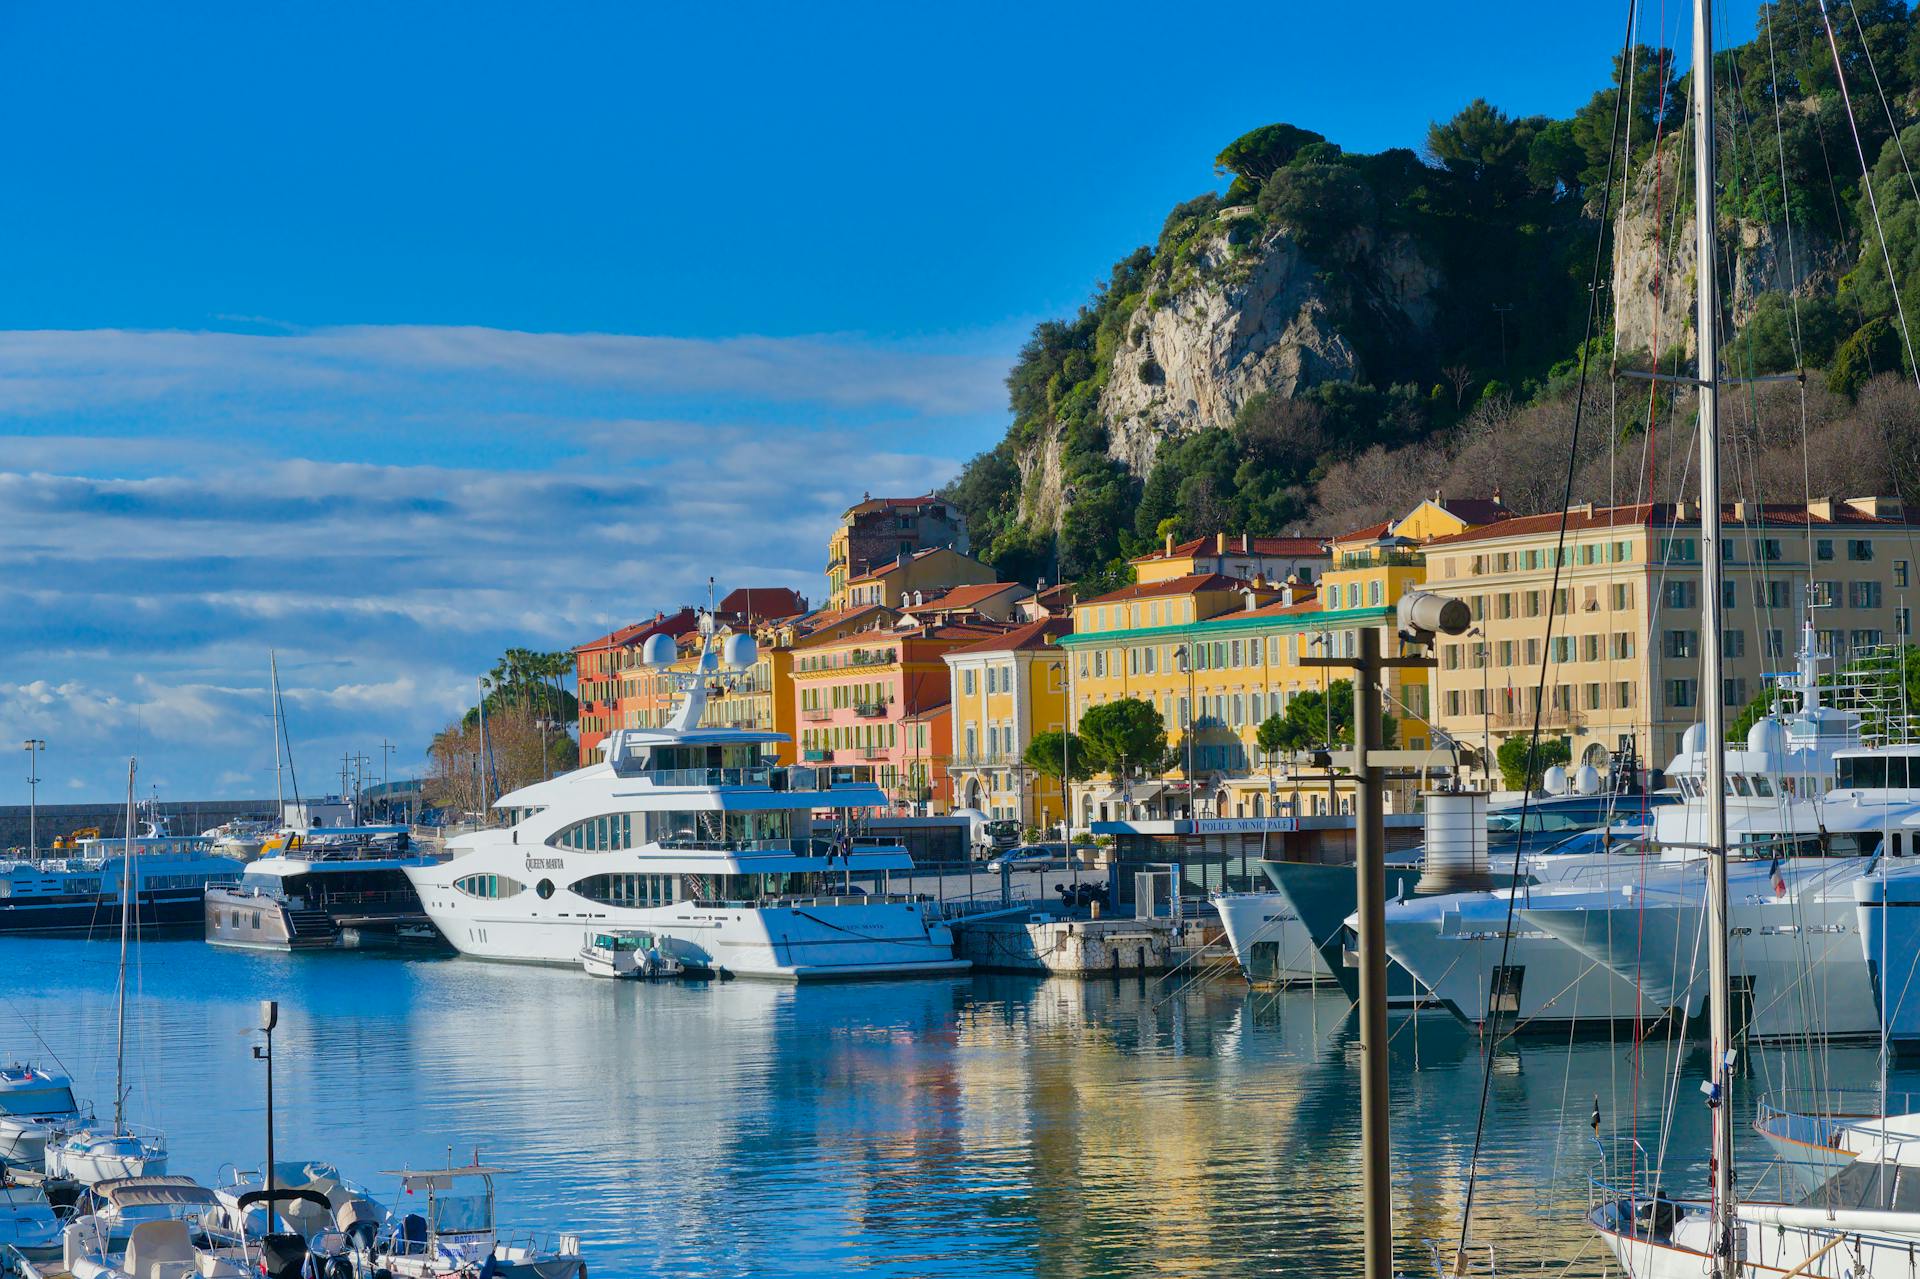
(393, 335)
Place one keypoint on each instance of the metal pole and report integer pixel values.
(1712, 572)
(1370, 876)
(34, 746)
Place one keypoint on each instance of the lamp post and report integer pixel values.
(269, 1018)
(1185, 653)
(33, 746)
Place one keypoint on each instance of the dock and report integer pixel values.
(1025, 940)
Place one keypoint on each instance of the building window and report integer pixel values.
(1733, 644)
(1823, 549)
(1859, 549)
(1680, 692)
(1900, 574)
(1863, 595)
(1682, 594)
(1683, 644)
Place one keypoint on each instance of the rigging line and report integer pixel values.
(1866, 184)
(1559, 564)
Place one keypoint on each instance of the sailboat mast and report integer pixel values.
(1712, 574)
(279, 790)
(126, 911)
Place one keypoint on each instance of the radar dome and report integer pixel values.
(1767, 735)
(737, 652)
(1556, 780)
(659, 650)
(1694, 740)
(1586, 780)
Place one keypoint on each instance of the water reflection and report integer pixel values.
(969, 1127)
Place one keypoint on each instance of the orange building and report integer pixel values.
(882, 697)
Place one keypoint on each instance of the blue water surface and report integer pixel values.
(972, 1127)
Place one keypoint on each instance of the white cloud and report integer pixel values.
(389, 508)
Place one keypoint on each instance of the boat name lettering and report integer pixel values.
(546, 863)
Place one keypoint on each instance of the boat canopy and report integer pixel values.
(155, 1192)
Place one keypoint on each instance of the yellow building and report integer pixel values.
(915, 577)
(1007, 690)
(1619, 632)
(1272, 559)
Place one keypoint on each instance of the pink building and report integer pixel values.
(881, 698)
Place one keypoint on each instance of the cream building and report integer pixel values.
(1620, 632)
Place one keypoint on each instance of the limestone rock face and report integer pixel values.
(1267, 319)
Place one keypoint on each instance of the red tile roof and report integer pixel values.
(1371, 533)
(893, 564)
(1172, 586)
(764, 602)
(1032, 635)
(959, 597)
(1298, 546)
(1476, 510)
(889, 503)
(666, 624)
(1663, 515)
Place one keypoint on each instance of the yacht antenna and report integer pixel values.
(126, 907)
(1712, 572)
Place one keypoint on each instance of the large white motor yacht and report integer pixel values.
(697, 836)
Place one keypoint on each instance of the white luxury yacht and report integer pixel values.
(1799, 815)
(694, 834)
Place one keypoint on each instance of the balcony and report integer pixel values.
(871, 710)
(815, 714)
(873, 752)
(817, 757)
(983, 761)
(1551, 717)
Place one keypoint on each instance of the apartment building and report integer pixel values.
(881, 697)
(1272, 559)
(1609, 626)
(878, 530)
(1004, 691)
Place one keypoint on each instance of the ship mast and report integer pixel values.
(126, 910)
(1712, 574)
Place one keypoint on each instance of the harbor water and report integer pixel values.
(964, 1127)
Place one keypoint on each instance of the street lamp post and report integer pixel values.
(33, 746)
(1185, 653)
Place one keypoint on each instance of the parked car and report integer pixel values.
(1036, 856)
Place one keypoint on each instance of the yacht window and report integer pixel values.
(1864, 773)
(492, 887)
(609, 833)
(629, 892)
(1761, 786)
(52, 1099)
(1740, 786)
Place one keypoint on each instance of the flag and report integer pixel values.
(1779, 879)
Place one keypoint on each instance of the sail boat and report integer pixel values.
(90, 1154)
(1864, 1222)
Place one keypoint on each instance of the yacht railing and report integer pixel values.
(772, 777)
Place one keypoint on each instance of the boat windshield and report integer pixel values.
(1869, 1186)
(48, 1099)
(457, 1214)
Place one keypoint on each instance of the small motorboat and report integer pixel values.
(29, 1227)
(456, 1233)
(36, 1107)
(91, 1155)
(629, 953)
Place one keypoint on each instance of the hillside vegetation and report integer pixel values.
(1331, 335)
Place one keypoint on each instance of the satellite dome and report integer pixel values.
(1556, 780)
(659, 650)
(1586, 780)
(1767, 735)
(737, 652)
(1694, 740)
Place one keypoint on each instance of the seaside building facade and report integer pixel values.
(1004, 691)
(1615, 627)
(856, 694)
(879, 530)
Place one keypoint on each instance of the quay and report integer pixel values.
(1023, 940)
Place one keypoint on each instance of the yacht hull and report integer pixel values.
(1887, 911)
(824, 939)
(1270, 941)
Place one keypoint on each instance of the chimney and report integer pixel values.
(1683, 511)
(1169, 545)
(1246, 543)
(1219, 543)
(1884, 508)
(1287, 593)
(1739, 512)
(1821, 508)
